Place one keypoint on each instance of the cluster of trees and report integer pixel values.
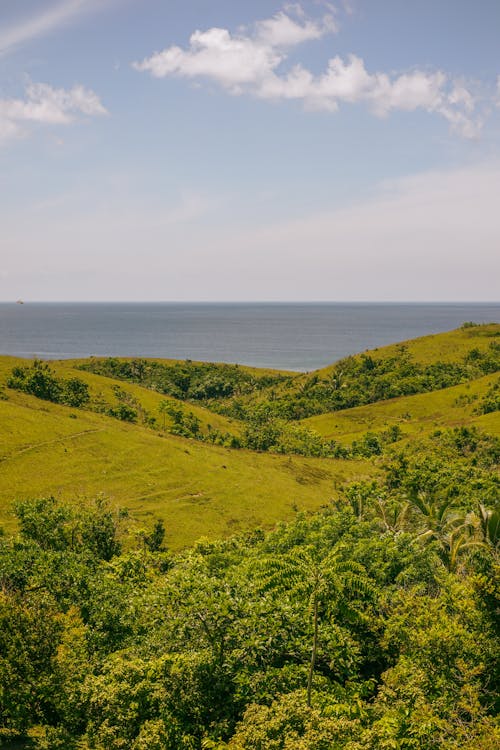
(265, 432)
(195, 381)
(371, 626)
(355, 381)
(491, 400)
(40, 380)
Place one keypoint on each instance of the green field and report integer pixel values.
(197, 488)
(416, 415)
(336, 586)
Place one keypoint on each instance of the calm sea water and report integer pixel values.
(293, 336)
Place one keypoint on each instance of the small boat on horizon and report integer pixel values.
(19, 302)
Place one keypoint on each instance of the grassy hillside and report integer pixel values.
(422, 365)
(102, 392)
(450, 346)
(197, 489)
(202, 489)
(416, 415)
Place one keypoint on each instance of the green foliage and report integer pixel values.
(288, 724)
(29, 677)
(184, 423)
(491, 400)
(196, 381)
(370, 626)
(57, 527)
(39, 380)
(155, 538)
(336, 631)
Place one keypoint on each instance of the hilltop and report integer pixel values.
(214, 448)
(277, 580)
(197, 488)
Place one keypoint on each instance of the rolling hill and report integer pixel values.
(199, 488)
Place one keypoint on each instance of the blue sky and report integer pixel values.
(225, 150)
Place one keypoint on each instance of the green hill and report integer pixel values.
(449, 346)
(422, 365)
(103, 394)
(203, 487)
(371, 623)
(416, 416)
(197, 489)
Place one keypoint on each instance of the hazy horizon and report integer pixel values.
(249, 302)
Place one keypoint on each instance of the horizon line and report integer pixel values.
(249, 302)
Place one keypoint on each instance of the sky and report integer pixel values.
(199, 150)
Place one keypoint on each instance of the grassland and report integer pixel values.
(416, 416)
(199, 489)
(101, 390)
(451, 346)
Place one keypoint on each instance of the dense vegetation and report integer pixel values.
(196, 381)
(371, 625)
(39, 380)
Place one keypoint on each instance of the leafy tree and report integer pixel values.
(323, 580)
(40, 380)
(29, 679)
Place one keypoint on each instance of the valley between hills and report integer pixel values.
(207, 556)
(215, 449)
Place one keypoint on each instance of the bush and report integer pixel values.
(40, 380)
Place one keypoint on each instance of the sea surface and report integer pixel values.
(290, 336)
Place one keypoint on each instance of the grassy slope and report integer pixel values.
(416, 415)
(451, 346)
(102, 387)
(198, 489)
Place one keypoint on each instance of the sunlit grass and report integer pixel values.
(197, 489)
(414, 415)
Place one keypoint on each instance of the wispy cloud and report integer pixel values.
(430, 236)
(43, 104)
(253, 61)
(433, 235)
(52, 17)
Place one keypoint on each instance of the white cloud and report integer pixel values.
(240, 60)
(49, 19)
(231, 61)
(283, 31)
(44, 104)
(253, 62)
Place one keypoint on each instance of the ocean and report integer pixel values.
(289, 336)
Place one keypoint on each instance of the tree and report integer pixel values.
(323, 580)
